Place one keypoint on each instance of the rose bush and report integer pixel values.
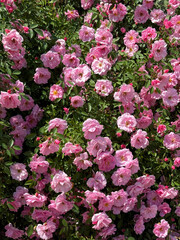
(89, 125)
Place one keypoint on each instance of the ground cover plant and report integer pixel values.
(90, 119)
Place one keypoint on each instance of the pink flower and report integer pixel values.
(48, 147)
(100, 220)
(130, 38)
(92, 197)
(127, 122)
(105, 204)
(141, 14)
(70, 60)
(159, 50)
(123, 156)
(121, 176)
(139, 226)
(72, 14)
(77, 101)
(172, 141)
(81, 162)
(165, 192)
(161, 129)
(12, 232)
(58, 123)
(69, 148)
(86, 4)
(91, 128)
(98, 182)
(177, 162)
(148, 34)
(45, 230)
(80, 75)
(40, 215)
(139, 140)
(36, 200)
(148, 3)
(26, 105)
(117, 14)
(161, 229)
(46, 35)
(9, 100)
(146, 180)
(148, 212)
(60, 205)
(125, 94)
(105, 161)
(56, 92)
(135, 190)
(157, 16)
(18, 171)
(61, 182)
(177, 212)
(103, 87)
(129, 204)
(2, 112)
(103, 36)
(39, 165)
(96, 146)
(42, 76)
(50, 59)
(108, 231)
(164, 209)
(119, 198)
(170, 97)
(101, 66)
(12, 41)
(131, 50)
(19, 195)
(86, 34)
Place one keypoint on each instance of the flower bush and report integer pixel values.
(89, 108)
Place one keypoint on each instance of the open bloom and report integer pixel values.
(91, 128)
(100, 220)
(61, 182)
(127, 122)
(139, 140)
(161, 229)
(159, 50)
(18, 171)
(9, 100)
(172, 141)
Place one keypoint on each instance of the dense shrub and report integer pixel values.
(89, 119)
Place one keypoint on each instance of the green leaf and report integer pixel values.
(31, 33)
(131, 238)
(64, 222)
(30, 230)
(34, 25)
(39, 31)
(10, 206)
(15, 147)
(75, 209)
(17, 72)
(4, 146)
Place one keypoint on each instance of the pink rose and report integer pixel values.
(139, 140)
(91, 128)
(86, 34)
(100, 220)
(58, 123)
(127, 122)
(9, 100)
(141, 14)
(77, 101)
(103, 87)
(121, 176)
(61, 182)
(159, 50)
(50, 59)
(18, 171)
(161, 229)
(56, 92)
(42, 76)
